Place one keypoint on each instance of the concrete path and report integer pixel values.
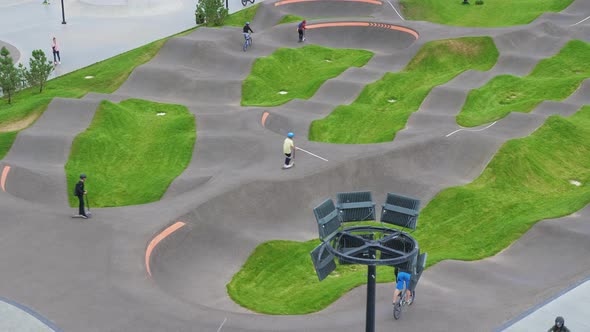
(572, 305)
(93, 32)
(126, 269)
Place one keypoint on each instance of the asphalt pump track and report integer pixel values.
(164, 266)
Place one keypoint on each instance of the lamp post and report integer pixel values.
(365, 245)
(63, 13)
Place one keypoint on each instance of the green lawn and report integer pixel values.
(130, 154)
(298, 71)
(290, 19)
(493, 13)
(383, 107)
(279, 279)
(238, 19)
(528, 180)
(554, 78)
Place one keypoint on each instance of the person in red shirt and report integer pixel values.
(301, 29)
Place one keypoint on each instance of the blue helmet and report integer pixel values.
(290, 135)
(82, 176)
(247, 23)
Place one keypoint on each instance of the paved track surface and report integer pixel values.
(91, 275)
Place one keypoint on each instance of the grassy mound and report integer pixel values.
(290, 19)
(279, 279)
(298, 71)
(527, 181)
(131, 154)
(383, 107)
(494, 13)
(238, 19)
(554, 78)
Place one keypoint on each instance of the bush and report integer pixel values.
(479, 2)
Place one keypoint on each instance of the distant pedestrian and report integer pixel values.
(301, 30)
(559, 325)
(45, 2)
(289, 151)
(80, 192)
(55, 49)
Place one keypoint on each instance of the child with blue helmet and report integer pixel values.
(289, 151)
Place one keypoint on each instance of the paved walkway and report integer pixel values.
(92, 33)
(573, 305)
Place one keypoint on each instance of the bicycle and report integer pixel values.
(247, 42)
(402, 302)
(245, 2)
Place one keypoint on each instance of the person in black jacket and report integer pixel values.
(559, 325)
(80, 192)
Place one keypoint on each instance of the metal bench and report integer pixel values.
(401, 211)
(328, 219)
(355, 206)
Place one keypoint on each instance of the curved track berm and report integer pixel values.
(91, 276)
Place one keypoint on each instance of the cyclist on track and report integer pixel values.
(246, 30)
(402, 277)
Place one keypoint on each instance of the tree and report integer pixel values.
(10, 76)
(211, 11)
(39, 70)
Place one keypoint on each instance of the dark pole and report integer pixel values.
(63, 13)
(371, 279)
(227, 4)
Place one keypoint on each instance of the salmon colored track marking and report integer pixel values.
(364, 24)
(264, 117)
(171, 229)
(286, 2)
(3, 178)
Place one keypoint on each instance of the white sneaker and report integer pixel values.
(59, 62)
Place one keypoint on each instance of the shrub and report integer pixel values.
(479, 2)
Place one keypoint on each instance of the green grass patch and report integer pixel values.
(279, 279)
(383, 107)
(6, 140)
(238, 19)
(493, 13)
(290, 19)
(553, 78)
(527, 181)
(298, 71)
(131, 154)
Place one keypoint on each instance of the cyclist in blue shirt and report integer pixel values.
(403, 277)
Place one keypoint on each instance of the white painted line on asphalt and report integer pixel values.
(221, 326)
(464, 129)
(587, 18)
(398, 14)
(311, 154)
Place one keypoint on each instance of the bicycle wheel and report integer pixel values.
(244, 3)
(397, 310)
(245, 45)
(413, 297)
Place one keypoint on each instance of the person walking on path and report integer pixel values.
(80, 192)
(55, 49)
(301, 30)
(289, 151)
(559, 325)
